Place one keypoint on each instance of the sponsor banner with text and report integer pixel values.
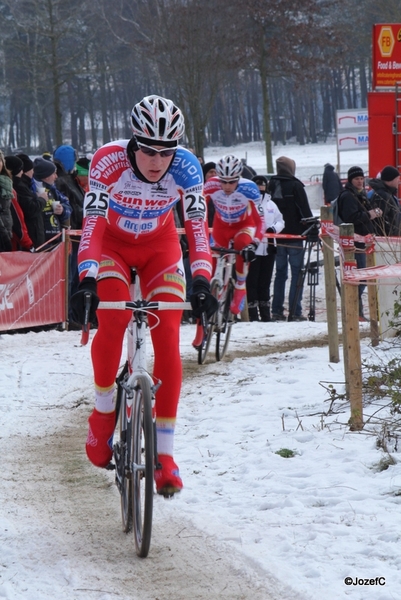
(386, 55)
(32, 289)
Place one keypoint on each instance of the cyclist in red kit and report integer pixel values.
(129, 222)
(238, 219)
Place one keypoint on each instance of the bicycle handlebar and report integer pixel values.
(144, 305)
(135, 305)
(223, 251)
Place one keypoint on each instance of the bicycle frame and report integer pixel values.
(136, 339)
(135, 448)
(221, 287)
(223, 270)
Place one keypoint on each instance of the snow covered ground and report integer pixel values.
(296, 527)
(250, 522)
(310, 158)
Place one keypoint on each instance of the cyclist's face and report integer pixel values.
(229, 187)
(153, 167)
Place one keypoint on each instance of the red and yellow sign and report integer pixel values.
(386, 55)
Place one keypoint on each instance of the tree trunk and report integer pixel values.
(266, 114)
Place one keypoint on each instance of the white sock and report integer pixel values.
(104, 400)
(165, 436)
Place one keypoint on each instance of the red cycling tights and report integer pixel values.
(108, 342)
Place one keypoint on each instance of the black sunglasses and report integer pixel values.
(152, 151)
(229, 180)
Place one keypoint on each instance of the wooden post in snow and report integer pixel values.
(351, 338)
(326, 216)
(373, 302)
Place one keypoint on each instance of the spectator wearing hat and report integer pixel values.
(57, 210)
(82, 170)
(11, 212)
(261, 269)
(68, 184)
(384, 196)
(31, 202)
(27, 164)
(288, 192)
(354, 207)
(248, 172)
(6, 219)
(209, 170)
(331, 184)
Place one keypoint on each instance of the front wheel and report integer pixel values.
(123, 450)
(211, 327)
(225, 320)
(142, 464)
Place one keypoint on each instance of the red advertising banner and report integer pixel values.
(32, 288)
(386, 55)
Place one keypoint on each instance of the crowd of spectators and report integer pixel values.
(39, 197)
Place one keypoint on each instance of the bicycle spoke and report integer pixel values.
(142, 466)
(204, 349)
(122, 456)
(225, 322)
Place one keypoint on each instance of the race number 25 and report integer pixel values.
(195, 206)
(96, 203)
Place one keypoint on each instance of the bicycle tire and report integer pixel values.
(225, 322)
(142, 471)
(122, 455)
(211, 328)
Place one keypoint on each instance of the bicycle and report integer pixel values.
(135, 447)
(222, 288)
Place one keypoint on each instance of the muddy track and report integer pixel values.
(260, 348)
(74, 516)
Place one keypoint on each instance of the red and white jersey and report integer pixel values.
(119, 203)
(243, 204)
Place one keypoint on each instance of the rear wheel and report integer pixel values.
(211, 327)
(225, 320)
(142, 443)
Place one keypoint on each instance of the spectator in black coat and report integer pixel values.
(32, 204)
(385, 198)
(68, 183)
(289, 194)
(354, 207)
(6, 219)
(331, 184)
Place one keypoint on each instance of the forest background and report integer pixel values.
(241, 70)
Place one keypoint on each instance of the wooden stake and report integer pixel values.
(352, 346)
(326, 215)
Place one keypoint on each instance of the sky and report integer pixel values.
(250, 522)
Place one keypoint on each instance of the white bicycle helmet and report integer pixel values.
(157, 119)
(229, 167)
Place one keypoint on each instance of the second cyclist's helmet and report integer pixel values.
(229, 167)
(159, 120)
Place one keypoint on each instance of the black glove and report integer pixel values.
(270, 230)
(201, 298)
(78, 301)
(248, 253)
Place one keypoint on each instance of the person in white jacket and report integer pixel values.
(261, 269)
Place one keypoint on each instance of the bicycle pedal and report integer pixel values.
(110, 467)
